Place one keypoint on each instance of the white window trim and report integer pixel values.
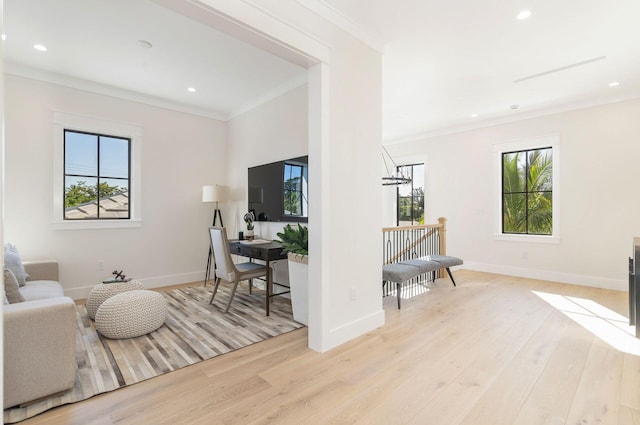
(62, 121)
(552, 140)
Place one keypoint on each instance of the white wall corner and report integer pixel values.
(319, 223)
(352, 330)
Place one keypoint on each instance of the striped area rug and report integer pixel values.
(194, 331)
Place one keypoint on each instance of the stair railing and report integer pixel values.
(403, 243)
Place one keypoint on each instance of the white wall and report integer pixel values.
(180, 154)
(272, 132)
(599, 206)
(355, 246)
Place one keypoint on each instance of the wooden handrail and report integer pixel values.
(421, 226)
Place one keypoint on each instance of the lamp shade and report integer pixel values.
(214, 193)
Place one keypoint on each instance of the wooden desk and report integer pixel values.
(267, 252)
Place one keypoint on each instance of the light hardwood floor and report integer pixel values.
(488, 352)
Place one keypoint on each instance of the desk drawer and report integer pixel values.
(260, 251)
(240, 249)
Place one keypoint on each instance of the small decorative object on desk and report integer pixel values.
(119, 277)
(249, 218)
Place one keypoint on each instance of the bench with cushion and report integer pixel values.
(404, 271)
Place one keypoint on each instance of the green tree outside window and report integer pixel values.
(527, 192)
(82, 193)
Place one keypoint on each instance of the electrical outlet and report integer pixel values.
(100, 265)
(352, 293)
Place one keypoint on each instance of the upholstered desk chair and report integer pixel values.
(226, 269)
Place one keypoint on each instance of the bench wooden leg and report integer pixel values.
(451, 276)
(398, 290)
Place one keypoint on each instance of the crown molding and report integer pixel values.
(333, 15)
(541, 112)
(272, 94)
(106, 90)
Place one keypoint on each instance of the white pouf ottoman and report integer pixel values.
(131, 314)
(102, 292)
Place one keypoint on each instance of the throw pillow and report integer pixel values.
(13, 262)
(11, 288)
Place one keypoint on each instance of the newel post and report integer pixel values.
(442, 221)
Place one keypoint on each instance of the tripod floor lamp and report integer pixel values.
(213, 194)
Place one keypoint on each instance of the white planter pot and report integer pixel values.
(299, 282)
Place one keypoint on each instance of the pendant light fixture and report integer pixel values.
(395, 177)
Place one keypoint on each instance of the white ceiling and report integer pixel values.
(98, 41)
(443, 60)
(446, 60)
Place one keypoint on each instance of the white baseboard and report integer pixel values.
(571, 278)
(148, 282)
(354, 329)
(173, 279)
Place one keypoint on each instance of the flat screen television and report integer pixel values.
(279, 191)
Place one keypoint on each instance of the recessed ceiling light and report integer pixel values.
(145, 44)
(474, 115)
(523, 15)
(40, 47)
(514, 107)
(614, 84)
(191, 89)
(4, 37)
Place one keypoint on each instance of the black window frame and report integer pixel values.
(414, 219)
(526, 190)
(98, 177)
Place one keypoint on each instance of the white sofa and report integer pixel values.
(39, 338)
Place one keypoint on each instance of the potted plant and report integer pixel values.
(248, 219)
(296, 243)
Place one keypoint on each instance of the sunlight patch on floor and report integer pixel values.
(413, 291)
(408, 291)
(611, 327)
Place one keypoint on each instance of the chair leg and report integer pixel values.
(451, 276)
(250, 286)
(215, 289)
(398, 292)
(233, 293)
